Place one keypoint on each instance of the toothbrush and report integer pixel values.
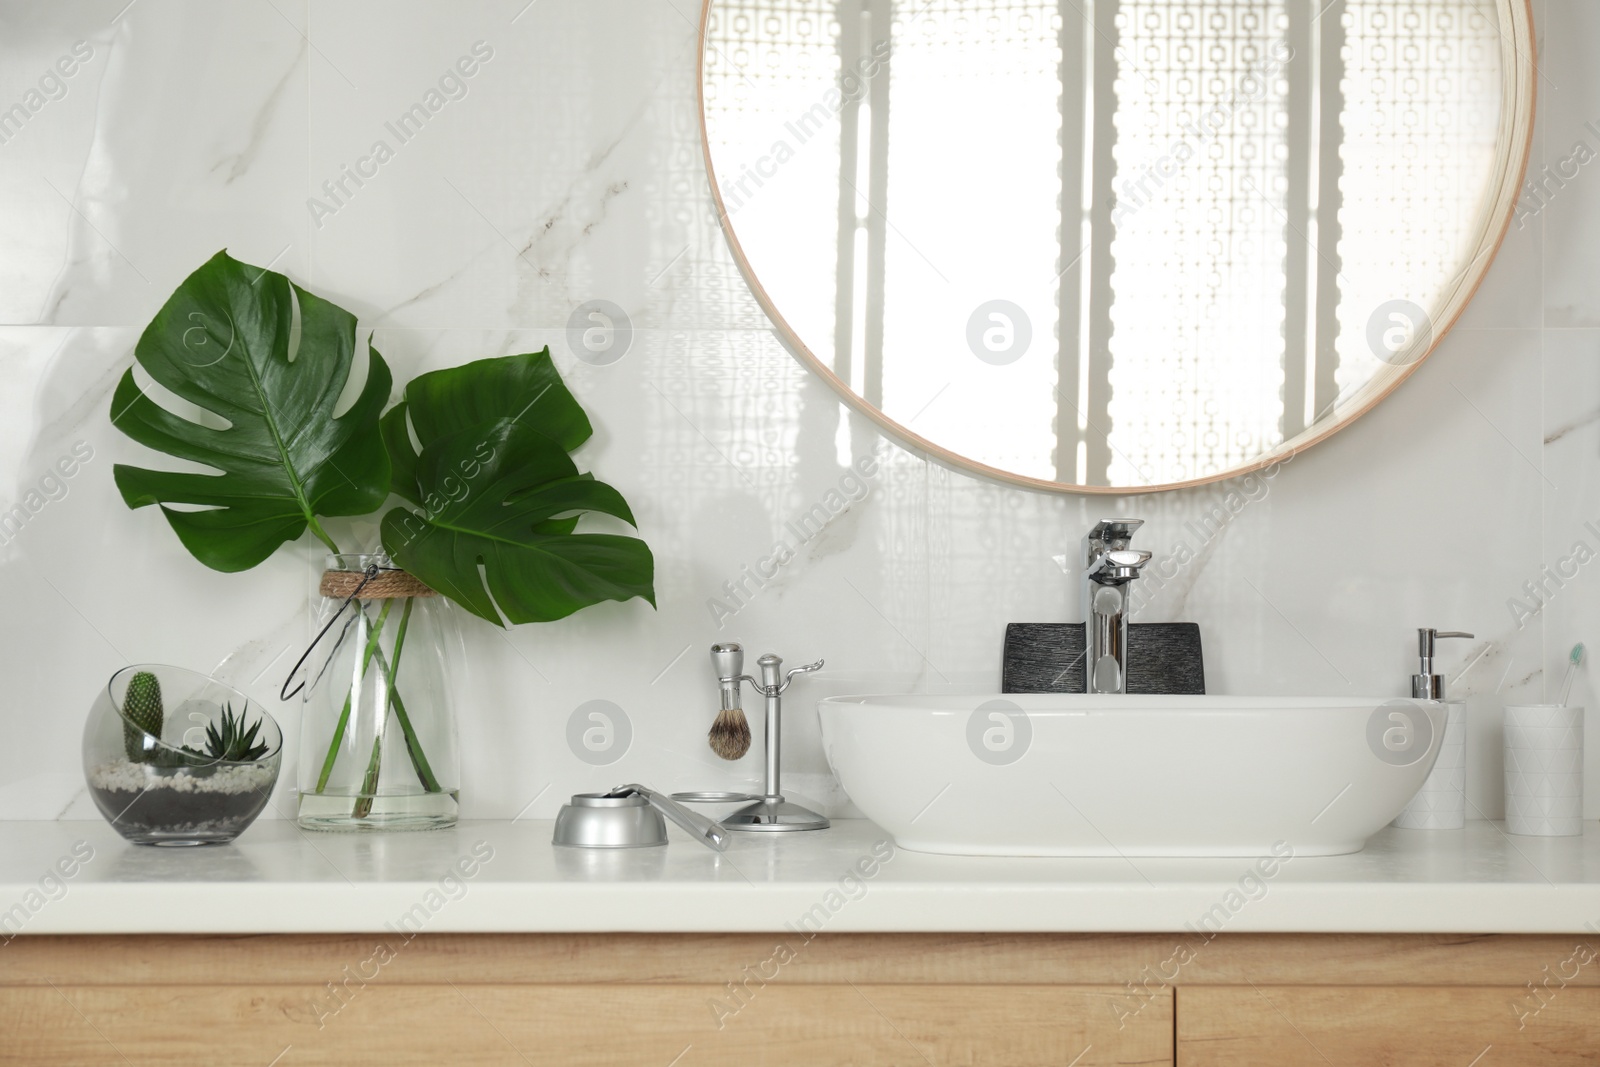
(1573, 661)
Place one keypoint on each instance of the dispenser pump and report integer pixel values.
(1425, 684)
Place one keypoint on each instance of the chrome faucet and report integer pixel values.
(1109, 566)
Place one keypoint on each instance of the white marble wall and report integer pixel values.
(570, 171)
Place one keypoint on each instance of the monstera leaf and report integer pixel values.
(222, 342)
(526, 388)
(503, 495)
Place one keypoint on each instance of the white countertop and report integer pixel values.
(279, 879)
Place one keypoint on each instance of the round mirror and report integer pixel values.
(1115, 245)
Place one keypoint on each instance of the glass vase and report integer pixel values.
(377, 728)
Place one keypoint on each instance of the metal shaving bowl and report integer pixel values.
(595, 820)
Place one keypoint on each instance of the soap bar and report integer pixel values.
(1047, 657)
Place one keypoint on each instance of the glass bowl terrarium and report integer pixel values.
(173, 757)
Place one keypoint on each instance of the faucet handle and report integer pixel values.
(1114, 533)
(1108, 535)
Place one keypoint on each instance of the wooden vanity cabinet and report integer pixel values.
(1419, 1026)
(679, 1000)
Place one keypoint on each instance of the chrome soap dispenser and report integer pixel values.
(1425, 684)
(1441, 803)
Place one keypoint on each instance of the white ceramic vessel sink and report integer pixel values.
(1076, 775)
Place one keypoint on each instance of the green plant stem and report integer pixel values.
(344, 716)
(419, 761)
(369, 785)
(322, 535)
(414, 749)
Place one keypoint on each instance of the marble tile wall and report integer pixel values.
(569, 169)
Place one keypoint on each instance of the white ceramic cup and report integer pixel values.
(1544, 770)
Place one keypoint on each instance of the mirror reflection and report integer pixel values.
(1113, 243)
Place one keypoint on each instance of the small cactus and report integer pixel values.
(141, 705)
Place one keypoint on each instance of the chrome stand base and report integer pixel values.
(774, 815)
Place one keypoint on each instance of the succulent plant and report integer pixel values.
(141, 706)
(228, 740)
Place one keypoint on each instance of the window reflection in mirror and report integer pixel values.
(1110, 242)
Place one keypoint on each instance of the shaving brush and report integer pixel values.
(730, 734)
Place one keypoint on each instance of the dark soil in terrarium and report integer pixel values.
(139, 800)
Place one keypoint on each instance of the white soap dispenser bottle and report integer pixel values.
(1441, 803)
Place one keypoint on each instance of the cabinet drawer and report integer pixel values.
(1397, 1026)
(580, 1025)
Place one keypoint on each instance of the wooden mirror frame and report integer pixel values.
(1518, 96)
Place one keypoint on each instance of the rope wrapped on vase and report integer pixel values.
(375, 583)
(390, 583)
